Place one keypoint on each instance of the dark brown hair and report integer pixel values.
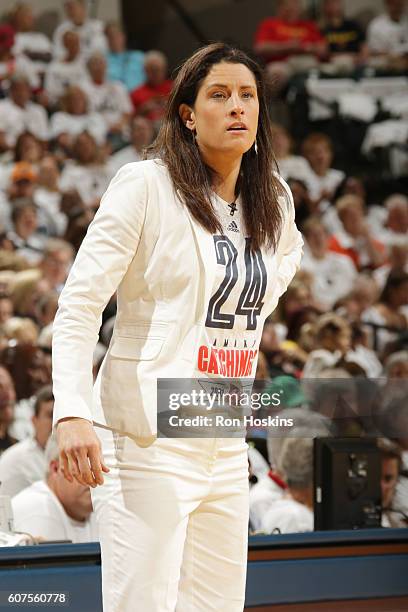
(192, 178)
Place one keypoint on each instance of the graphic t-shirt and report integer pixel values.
(278, 30)
(345, 38)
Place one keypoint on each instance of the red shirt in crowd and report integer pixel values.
(156, 94)
(277, 30)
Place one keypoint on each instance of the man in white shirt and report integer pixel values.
(141, 136)
(18, 114)
(387, 34)
(109, 98)
(322, 180)
(292, 511)
(24, 462)
(61, 73)
(333, 273)
(54, 508)
(91, 31)
(35, 45)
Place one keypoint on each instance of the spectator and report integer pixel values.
(396, 366)
(387, 34)
(47, 197)
(22, 185)
(333, 273)
(149, 99)
(292, 512)
(74, 118)
(290, 166)
(344, 36)
(391, 310)
(66, 71)
(57, 260)
(124, 65)
(35, 45)
(7, 401)
(90, 31)
(19, 114)
(24, 236)
(108, 98)
(24, 463)
(86, 173)
(10, 65)
(332, 343)
(390, 221)
(391, 461)
(355, 239)
(322, 180)
(304, 206)
(140, 137)
(287, 35)
(54, 508)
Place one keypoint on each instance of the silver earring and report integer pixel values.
(256, 147)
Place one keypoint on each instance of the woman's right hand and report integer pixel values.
(80, 452)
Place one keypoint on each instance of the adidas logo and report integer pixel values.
(233, 227)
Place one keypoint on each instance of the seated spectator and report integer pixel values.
(285, 36)
(355, 239)
(322, 180)
(124, 65)
(29, 42)
(90, 31)
(293, 511)
(344, 36)
(19, 114)
(387, 34)
(390, 221)
(7, 403)
(108, 98)
(333, 273)
(332, 343)
(391, 310)
(12, 65)
(21, 185)
(66, 71)
(74, 118)
(86, 173)
(54, 508)
(21, 330)
(28, 149)
(24, 463)
(25, 238)
(140, 137)
(56, 263)
(391, 461)
(47, 198)
(290, 166)
(149, 99)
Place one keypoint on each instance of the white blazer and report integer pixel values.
(144, 244)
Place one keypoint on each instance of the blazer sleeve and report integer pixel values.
(101, 262)
(290, 247)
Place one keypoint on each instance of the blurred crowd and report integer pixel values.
(73, 110)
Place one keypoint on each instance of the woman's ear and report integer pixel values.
(187, 116)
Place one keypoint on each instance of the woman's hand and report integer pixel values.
(80, 452)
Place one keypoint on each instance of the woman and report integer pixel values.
(169, 236)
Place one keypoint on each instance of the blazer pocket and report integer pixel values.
(136, 348)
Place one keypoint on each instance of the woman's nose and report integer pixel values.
(236, 106)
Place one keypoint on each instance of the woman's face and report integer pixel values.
(227, 99)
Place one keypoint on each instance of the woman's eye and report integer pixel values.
(218, 94)
(248, 94)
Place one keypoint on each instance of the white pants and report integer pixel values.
(173, 524)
